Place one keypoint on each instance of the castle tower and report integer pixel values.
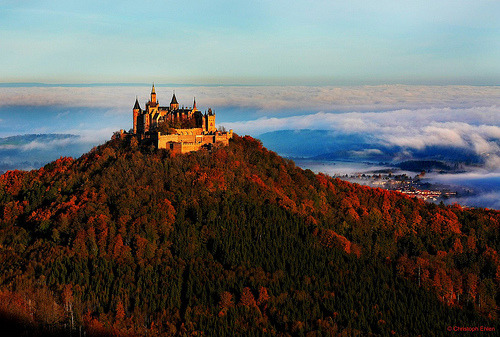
(136, 111)
(153, 96)
(199, 119)
(174, 105)
(194, 104)
(210, 120)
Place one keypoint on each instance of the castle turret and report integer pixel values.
(136, 112)
(153, 96)
(194, 104)
(174, 105)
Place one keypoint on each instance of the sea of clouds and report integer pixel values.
(408, 117)
(267, 98)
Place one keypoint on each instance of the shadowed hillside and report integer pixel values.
(134, 241)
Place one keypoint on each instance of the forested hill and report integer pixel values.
(235, 241)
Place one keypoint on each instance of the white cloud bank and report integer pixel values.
(270, 98)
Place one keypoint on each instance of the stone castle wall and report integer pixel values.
(179, 143)
(193, 131)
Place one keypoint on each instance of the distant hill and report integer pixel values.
(25, 139)
(130, 241)
(34, 150)
(424, 165)
(312, 143)
(327, 145)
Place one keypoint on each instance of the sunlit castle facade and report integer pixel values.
(179, 129)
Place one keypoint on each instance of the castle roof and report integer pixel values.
(174, 100)
(153, 89)
(136, 105)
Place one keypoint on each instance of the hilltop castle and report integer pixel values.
(179, 129)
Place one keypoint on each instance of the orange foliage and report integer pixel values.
(79, 246)
(120, 312)
(263, 296)
(118, 247)
(247, 299)
(330, 239)
(11, 181)
(457, 246)
(16, 306)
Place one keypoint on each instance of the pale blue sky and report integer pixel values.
(251, 42)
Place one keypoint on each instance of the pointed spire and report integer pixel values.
(153, 89)
(136, 105)
(174, 99)
(194, 103)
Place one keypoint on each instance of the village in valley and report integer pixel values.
(413, 186)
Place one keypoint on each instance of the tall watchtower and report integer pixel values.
(210, 121)
(136, 111)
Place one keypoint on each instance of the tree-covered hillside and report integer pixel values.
(234, 241)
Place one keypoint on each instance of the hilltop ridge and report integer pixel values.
(132, 240)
